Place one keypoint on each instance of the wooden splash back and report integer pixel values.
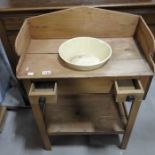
(74, 22)
(83, 21)
(50, 29)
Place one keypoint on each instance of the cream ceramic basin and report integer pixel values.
(85, 53)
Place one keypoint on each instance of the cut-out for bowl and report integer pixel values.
(85, 53)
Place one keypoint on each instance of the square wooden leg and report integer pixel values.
(131, 120)
(38, 98)
(41, 125)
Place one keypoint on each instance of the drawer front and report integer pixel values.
(126, 90)
(43, 93)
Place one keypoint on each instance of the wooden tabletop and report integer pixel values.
(126, 61)
(7, 5)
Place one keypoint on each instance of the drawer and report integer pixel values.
(128, 90)
(43, 92)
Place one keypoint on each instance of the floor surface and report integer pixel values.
(20, 136)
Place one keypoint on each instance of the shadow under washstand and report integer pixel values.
(85, 140)
(27, 129)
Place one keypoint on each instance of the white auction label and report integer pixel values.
(48, 72)
(30, 73)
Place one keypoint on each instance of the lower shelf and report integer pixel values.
(83, 114)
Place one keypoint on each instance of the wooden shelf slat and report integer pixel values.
(83, 114)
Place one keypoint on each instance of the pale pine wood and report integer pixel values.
(17, 15)
(122, 113)
(41, 124)
(114, 68)
(21, 59)
(69, 128)
(126, 60)
(39, 118)
(119, 44)
(145, 37)
(131, 120)
(43, 28)
(125, 110)
(43, 91)
(23, 39)
(51, 98)
(86, 113)
(83, 114)
(146, 81)
(146, 41)
(50, 94)
(124, 88)
(44, 45)
(83, 21)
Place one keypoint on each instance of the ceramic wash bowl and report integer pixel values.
(85, 53)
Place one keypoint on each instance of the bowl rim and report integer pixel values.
(97, 39)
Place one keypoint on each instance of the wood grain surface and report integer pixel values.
(83, 114)
(126, 60)
(82, 21)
